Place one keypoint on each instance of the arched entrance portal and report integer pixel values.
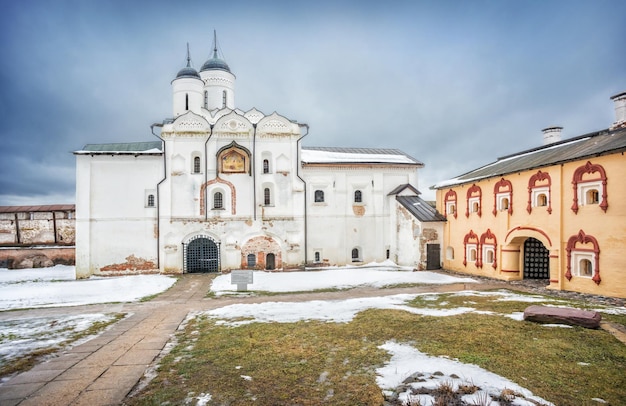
(201, 254)
(536, 260)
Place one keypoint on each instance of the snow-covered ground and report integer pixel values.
(57, 286)
(378, 276)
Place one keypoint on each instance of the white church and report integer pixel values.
(219, 188)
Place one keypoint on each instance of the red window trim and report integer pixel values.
(583, 238)
(578, 178)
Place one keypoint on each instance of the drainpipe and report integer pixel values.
(252, 168)
(206, 174)
(158, 200)
(306, 249)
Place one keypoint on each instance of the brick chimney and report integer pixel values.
(620, 110)
(552, 134)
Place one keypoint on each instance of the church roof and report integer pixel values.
(215, 63)
(188, 71)
(583, 147)
(420, 209)
(150, 147)
(337, 155)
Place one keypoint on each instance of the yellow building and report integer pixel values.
(557, 212)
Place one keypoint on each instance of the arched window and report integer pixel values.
(251, 259)
(267, 196)
(317, 256)
(450, 203)
(319, 196)
(592, 197)
(450, 253)
(539, 187)
(218, 200)
(472, 254)
(266, 166)
(589, 184)
(150, 200)
(356, 257)
(196, 164)
(358, 196)
(585, 267)
(502, 195)
(224, 98)
(542, 200)
(583, 257)
(206, 99)
(474, 198)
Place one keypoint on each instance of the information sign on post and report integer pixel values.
(241, 279)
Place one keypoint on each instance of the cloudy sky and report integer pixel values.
(453, 83)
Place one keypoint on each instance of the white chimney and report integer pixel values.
(620, 110)
(551, 135)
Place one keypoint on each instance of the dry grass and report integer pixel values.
(314, 363)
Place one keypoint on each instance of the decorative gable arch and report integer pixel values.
(191, 123)
(274, 124)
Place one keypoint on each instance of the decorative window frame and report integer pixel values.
(489, 242)
(579, 185)
(535, 190)
(503, 189)
(450, 204)
(474, 194)
(470, 242)
(575, 254)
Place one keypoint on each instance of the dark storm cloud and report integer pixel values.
(455, 84)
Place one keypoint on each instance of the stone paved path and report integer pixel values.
(103, 370)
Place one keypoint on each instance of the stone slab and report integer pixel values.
(563, 315)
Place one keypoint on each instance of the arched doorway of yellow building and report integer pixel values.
(526, 254)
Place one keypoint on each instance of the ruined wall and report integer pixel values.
(37, 228)
(36, 257)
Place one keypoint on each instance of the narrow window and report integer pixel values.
(251, 259)
(388, 253)
(186, 101)
(196, 165)
(450, 253)
(472, 254)
(358, 196)
(319, 196)
(266, 196)
(317, 256)
(218, 200)
(505, 204)
(150, 200)
(266, 166)
(355, 255)
(593, 197)
(206, 99)
(585, 268)
(224, 98)
(452, 209)
(489, 257)
(475, 207)
(542, 200)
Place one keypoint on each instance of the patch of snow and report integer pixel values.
(406, 360)
(57, 286)
(19, 337)
(316, 156)
(341, 278)
(337, 311)
(246, 377)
